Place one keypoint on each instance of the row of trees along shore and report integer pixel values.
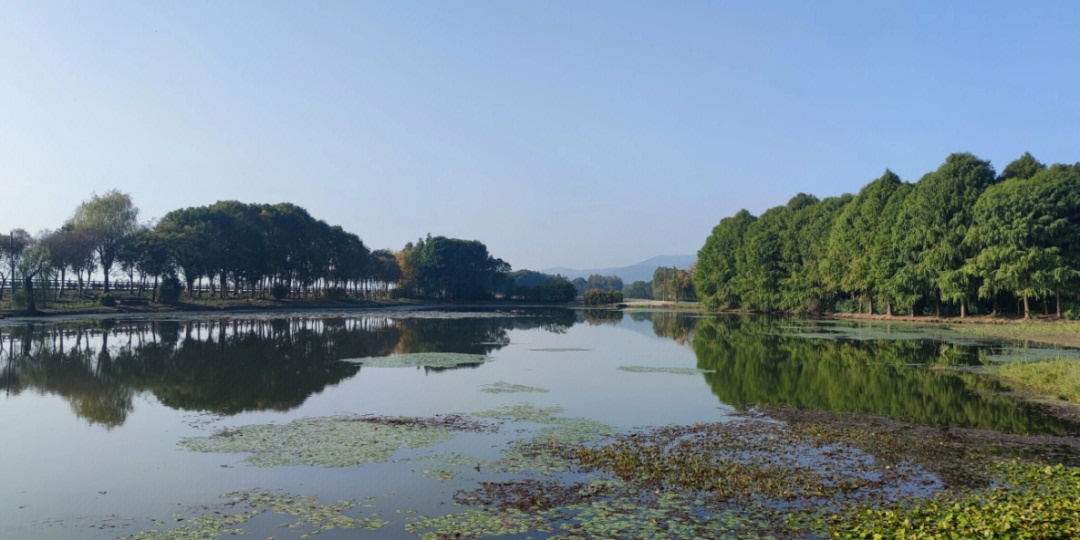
(960, 240)
(233, 249)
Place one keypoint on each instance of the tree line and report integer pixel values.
(235, 249)
(962, 240)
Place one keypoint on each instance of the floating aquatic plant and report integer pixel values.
(522, 412)
(309, 515)
(430, 360)
(671, 370)
(336, 441)
(503, 387)
(1032, 501)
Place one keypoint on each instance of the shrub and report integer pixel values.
(1072, 311)
(169, 290)
(279, 291)
(598, 297)
(107, 300)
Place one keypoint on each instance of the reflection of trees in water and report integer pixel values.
(674, 325)
(230, 365)
(602, 316)
(754, 364)
(475, 335)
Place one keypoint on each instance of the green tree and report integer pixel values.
(850, 261)
(716, 273)
(939, 214)
(1023, 167)
(109, 218)
(1023, 228)
(11, 249)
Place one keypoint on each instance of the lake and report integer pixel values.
(411, 422)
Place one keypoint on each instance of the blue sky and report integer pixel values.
(577, 134)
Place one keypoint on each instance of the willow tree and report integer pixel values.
(109, 218)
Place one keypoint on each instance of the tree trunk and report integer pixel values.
(937, 306)
(870, 301)
(1058, 305)
(154, 295)
(963, 309)
(28, 285)
(1027, 308)
(888, 308)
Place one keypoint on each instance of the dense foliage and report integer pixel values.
(236, 249)
(449, 268)
(960, 239)
(596, 281)
(599, 297)
(537, 287)
(639, 289)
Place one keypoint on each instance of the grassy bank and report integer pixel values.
(1053, 332)
(1057, 378)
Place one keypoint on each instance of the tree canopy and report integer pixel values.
(961, 237)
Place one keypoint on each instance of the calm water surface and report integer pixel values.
(91, 411)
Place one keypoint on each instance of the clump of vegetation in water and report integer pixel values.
(1059, 378)
(599, 508)
(428, 360)
(533, 455)
(522, 412)
(503, 387)
(336, 441)
(309, 515)
(1031, 501)
(670, 370)
(446, 465)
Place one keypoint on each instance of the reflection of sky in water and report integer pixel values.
(77, 423)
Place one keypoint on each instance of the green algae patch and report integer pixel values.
(503, 387)
(428, 360)
(308, 517)
(335, 441)
(669, 370)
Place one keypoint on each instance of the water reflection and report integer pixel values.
(753, 363)
(228, 366)
(234, 365)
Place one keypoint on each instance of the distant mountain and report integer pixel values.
(642, 271)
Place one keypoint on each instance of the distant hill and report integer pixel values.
(642, 271)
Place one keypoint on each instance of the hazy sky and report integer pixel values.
(577, 134)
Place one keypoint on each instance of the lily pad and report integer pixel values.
(430, 360)
(503, 387)
(336, 441)
(671, 370)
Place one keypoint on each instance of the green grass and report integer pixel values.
(1056, 333)
(1059, 378)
